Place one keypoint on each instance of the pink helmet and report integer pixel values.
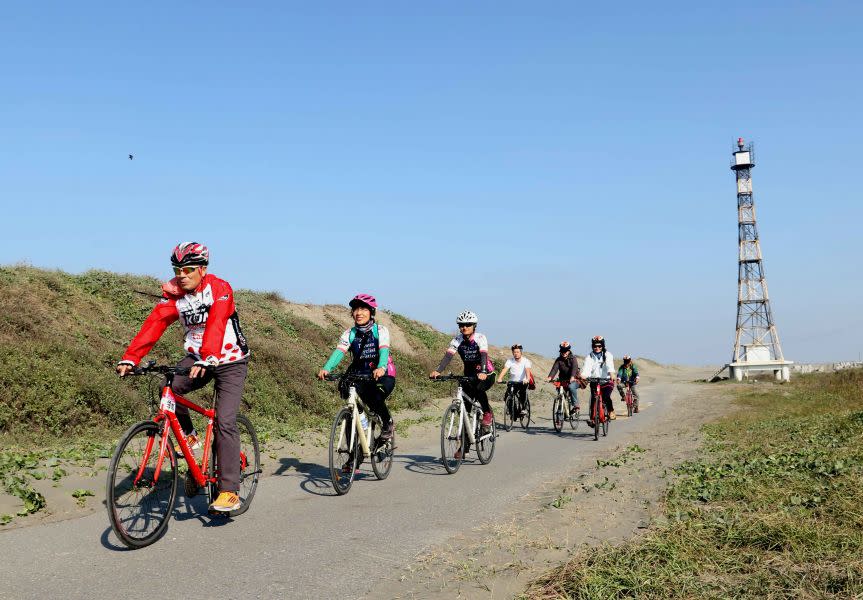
(364, 300)
(190, 253)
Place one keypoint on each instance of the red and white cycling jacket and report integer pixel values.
(210, 318)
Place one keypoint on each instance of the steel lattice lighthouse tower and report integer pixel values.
(756, 344)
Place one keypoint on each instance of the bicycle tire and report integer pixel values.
(382, 455)
(605, 423)
(525, 417)
(508, 412)
(343, 458)
(557, 414)
(451, 443)
(595, 414)
(629, 407)
(146, 509)
(250, 464)
(485, 443)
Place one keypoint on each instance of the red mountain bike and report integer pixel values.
(142, 476)
(631, 403)
(597, 406)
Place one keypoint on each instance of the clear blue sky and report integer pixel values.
(560, 168)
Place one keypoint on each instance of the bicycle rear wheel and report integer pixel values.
(343, 454)
(452, 439)
(485, 443)
(508, 412)
(138, 507)
(557, 413)
(382, 453)
(525, 416)
(574, 418)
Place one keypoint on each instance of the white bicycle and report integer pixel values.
(351, 439)
(462, 427)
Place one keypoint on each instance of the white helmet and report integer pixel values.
(466, 317)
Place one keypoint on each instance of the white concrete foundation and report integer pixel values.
(781, 369)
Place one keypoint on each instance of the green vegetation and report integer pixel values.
(62, 334)
(770, 510)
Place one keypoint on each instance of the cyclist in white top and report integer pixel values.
(519, 367)
(600, 363)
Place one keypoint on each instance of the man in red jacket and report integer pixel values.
(216, 349)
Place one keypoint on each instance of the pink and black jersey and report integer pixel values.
(473, 352)
(209, 317)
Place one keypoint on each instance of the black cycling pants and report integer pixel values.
(375, 393)
(477, 389)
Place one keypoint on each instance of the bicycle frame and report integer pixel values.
(467, 419)
(365, 437)
(564, 399)
(168, 417)
(598, 411)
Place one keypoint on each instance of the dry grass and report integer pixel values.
(771, 510)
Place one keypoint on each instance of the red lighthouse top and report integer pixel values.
(740, 143)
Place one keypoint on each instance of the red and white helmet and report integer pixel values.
(366, 300)
(190, 253)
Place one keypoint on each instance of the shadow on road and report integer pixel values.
(316, 478)
(421, 463)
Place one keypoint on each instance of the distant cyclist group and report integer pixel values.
(216, 350)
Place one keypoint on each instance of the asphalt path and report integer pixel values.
(298, 539)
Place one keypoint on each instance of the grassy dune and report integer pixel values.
(61, 335)
(772, 509)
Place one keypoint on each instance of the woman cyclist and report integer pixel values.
(472, 347)
(599, 363)
(369, 345)
(565, 367)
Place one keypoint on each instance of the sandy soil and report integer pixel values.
(587, 505)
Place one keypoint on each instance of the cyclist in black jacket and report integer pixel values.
(566, 368)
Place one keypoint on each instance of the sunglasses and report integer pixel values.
(463, 325)
(598, 346)
(185, 270)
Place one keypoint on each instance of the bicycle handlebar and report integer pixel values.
(452, 377)
(348, 376)
(152, 367)
(597, 379)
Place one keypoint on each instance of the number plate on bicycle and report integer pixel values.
(168, 404)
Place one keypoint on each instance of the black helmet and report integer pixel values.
(598, 340)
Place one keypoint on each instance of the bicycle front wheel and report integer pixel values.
(525, 416)
(628, 404)
(343, 454)
(557, 414)
(452, 439)
(139, 505)
(382, 455)
(605, 425)
(485, 443)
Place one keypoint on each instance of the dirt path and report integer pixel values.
(587, 504)
(421, 533)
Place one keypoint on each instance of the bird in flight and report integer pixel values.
(131, 156)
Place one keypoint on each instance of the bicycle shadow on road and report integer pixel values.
(197, 508)
(186, 508)
(421, 463)
(316, 478)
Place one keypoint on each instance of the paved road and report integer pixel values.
(299, 540)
